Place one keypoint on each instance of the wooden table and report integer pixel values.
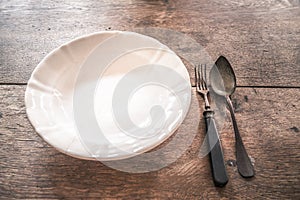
(260, 38)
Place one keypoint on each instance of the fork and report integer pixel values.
(219, 173)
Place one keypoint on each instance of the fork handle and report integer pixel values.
(218, 169)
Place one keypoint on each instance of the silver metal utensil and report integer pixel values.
(223, 82)
(219, 173)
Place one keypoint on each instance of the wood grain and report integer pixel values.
(260, 38)
(268, 120)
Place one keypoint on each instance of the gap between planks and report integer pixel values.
(238, 86)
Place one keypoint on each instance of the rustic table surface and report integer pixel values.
(260, 38)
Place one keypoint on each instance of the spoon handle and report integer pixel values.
(218, 169)
(243, 161)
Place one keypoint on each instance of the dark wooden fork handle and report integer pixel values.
(218, 168)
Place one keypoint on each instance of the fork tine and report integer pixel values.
(205, 74)
(203, 71)
(196, 77)
(201, 76)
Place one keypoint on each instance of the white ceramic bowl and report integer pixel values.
(70, 95)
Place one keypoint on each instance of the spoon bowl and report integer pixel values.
(223, 80)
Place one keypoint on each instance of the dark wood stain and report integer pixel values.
(294, 128)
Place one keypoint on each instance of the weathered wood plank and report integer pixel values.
(261, 39)
(268, 120)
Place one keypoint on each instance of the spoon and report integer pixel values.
(223, 82)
